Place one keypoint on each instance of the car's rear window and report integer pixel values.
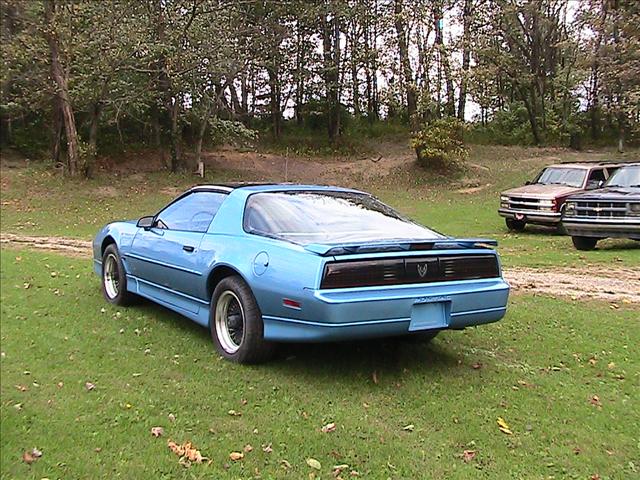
(306, 217)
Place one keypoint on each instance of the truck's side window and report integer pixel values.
(595, 177)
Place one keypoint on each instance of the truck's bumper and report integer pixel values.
(344, 314)
(531, 216)
(603, 228)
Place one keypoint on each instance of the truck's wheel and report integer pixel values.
(584, 243)
(236, 324)
(515, 225)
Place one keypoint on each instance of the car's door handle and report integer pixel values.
(188, 248)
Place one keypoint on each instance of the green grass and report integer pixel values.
(539, 369)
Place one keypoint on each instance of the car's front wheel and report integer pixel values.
(584, 243)
(114, 278)
(236, 323)
(515, 225)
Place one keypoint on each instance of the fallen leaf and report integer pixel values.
(595, 476)
(248, 448)
(337, 469)
(31, 456)
(22, 388)
(409, 428)
(60, 385)
(172, 417)
(233, 413)
(187, 452)
(236, 456)
(89, 386)
(329, 427)
(468, 455)
(26, 285)
(503, 426)
(286, 465)
(595, 400)
(313, 463)
(611, 366)
(476, 366)
(592, 361)
(157, 431)
(267, 448)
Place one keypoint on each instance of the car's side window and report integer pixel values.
(192, 213)
(595, 177)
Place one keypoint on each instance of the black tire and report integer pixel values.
(114, 278)
(515, 225)
(584, 243)
(421, 337)
(246, 347)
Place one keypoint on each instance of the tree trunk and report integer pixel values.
(331, 53)
(58, 127)
(275, 100)
(466, 57)
(62, 87)
(444, 61)
(407, 73)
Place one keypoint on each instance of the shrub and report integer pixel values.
(440, 144)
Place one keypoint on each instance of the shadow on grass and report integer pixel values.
(337, 359)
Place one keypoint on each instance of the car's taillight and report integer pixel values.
(359, 273)
(411, 270)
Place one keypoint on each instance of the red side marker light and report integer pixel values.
(287, 302)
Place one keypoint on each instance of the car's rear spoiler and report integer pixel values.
(399, 246)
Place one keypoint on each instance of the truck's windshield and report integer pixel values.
(572, 177)
(625, 177)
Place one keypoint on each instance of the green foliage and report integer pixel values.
(439, 144)
(222, 131)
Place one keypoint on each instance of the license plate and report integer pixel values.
(519, 216)
(429, 316)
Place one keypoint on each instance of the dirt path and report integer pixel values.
(614, 284)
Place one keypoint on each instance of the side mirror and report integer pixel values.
(145, 222)
(600, 183)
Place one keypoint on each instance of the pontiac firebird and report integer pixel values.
(262, 264)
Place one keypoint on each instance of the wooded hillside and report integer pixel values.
(80, 76)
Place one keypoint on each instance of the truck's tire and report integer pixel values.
(584, 243)
(515, 225)
(236, 323)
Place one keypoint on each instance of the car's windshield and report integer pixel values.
(306, 217)
(572, 177)
(625, 177)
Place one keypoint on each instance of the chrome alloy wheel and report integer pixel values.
(229, 321)
(111, 276)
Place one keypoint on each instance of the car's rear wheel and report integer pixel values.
(114, 278)
(515, 225)
(236, 323)
(584, 243)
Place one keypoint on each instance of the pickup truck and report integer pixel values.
(541, 201)
(612, 211)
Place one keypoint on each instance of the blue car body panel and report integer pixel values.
(160, 269)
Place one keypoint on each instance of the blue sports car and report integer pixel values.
(268, 263)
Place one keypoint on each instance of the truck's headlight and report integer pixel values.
(504, 201)
(633, 209)
(570, 208)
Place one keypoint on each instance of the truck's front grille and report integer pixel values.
(522, 203)
(601, 209)
(400, 271)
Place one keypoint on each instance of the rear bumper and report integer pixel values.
(602, 228)
(344, 314)
(531, 216)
